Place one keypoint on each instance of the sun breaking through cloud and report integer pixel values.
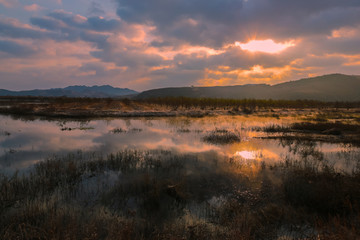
(268, 46)
(150, 44)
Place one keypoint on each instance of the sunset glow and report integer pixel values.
(179, 119)
(268, 46)
(143, 45)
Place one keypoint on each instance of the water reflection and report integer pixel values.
(23, 143)
(251, 155)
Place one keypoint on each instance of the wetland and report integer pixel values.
(201, 172)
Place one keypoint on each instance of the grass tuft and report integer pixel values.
(221, 136)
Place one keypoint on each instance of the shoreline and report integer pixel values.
(94, 108)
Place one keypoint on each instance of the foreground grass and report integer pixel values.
(163, 195)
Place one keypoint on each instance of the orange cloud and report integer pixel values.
(198, 51)
(344, 32)
(50, 54)
(160, 67)
(256, 74)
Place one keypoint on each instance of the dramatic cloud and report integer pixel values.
(96, 9)
(155, 43)
(14, 29)
(221, 22)
(14, 48)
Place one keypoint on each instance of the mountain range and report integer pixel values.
(74, 91)
(332, 87)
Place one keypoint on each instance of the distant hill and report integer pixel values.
(74, 91)
(333, 87)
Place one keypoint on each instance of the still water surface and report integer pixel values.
(24, 143)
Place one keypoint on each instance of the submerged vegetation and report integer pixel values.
(161, 195)
(221, 136)
(121, 130)
(336, 132)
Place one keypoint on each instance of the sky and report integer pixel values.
(145, 44)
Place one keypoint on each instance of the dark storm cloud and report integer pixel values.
(56, 30)
(64, 26)
(61, 19)
(96, 9)
(168, 12)
(191, 21)
(219, 22)
(334, 18)
(68, 18)
(131, 59)
(173, 78)
(343, 46)
(98, 39)
(324, 61)
(47, 23)
(73, 27)
(100, 24)
(16, 49)
(159, 43)
(234, 58)
(323, 45)
(9, 28)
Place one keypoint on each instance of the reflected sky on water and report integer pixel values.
(24, 143)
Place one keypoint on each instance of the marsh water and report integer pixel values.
(24, 143)
(199, 178)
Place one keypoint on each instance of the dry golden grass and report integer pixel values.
(159, 195)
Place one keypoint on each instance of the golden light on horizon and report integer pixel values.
(268, 46)
(256, 74)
